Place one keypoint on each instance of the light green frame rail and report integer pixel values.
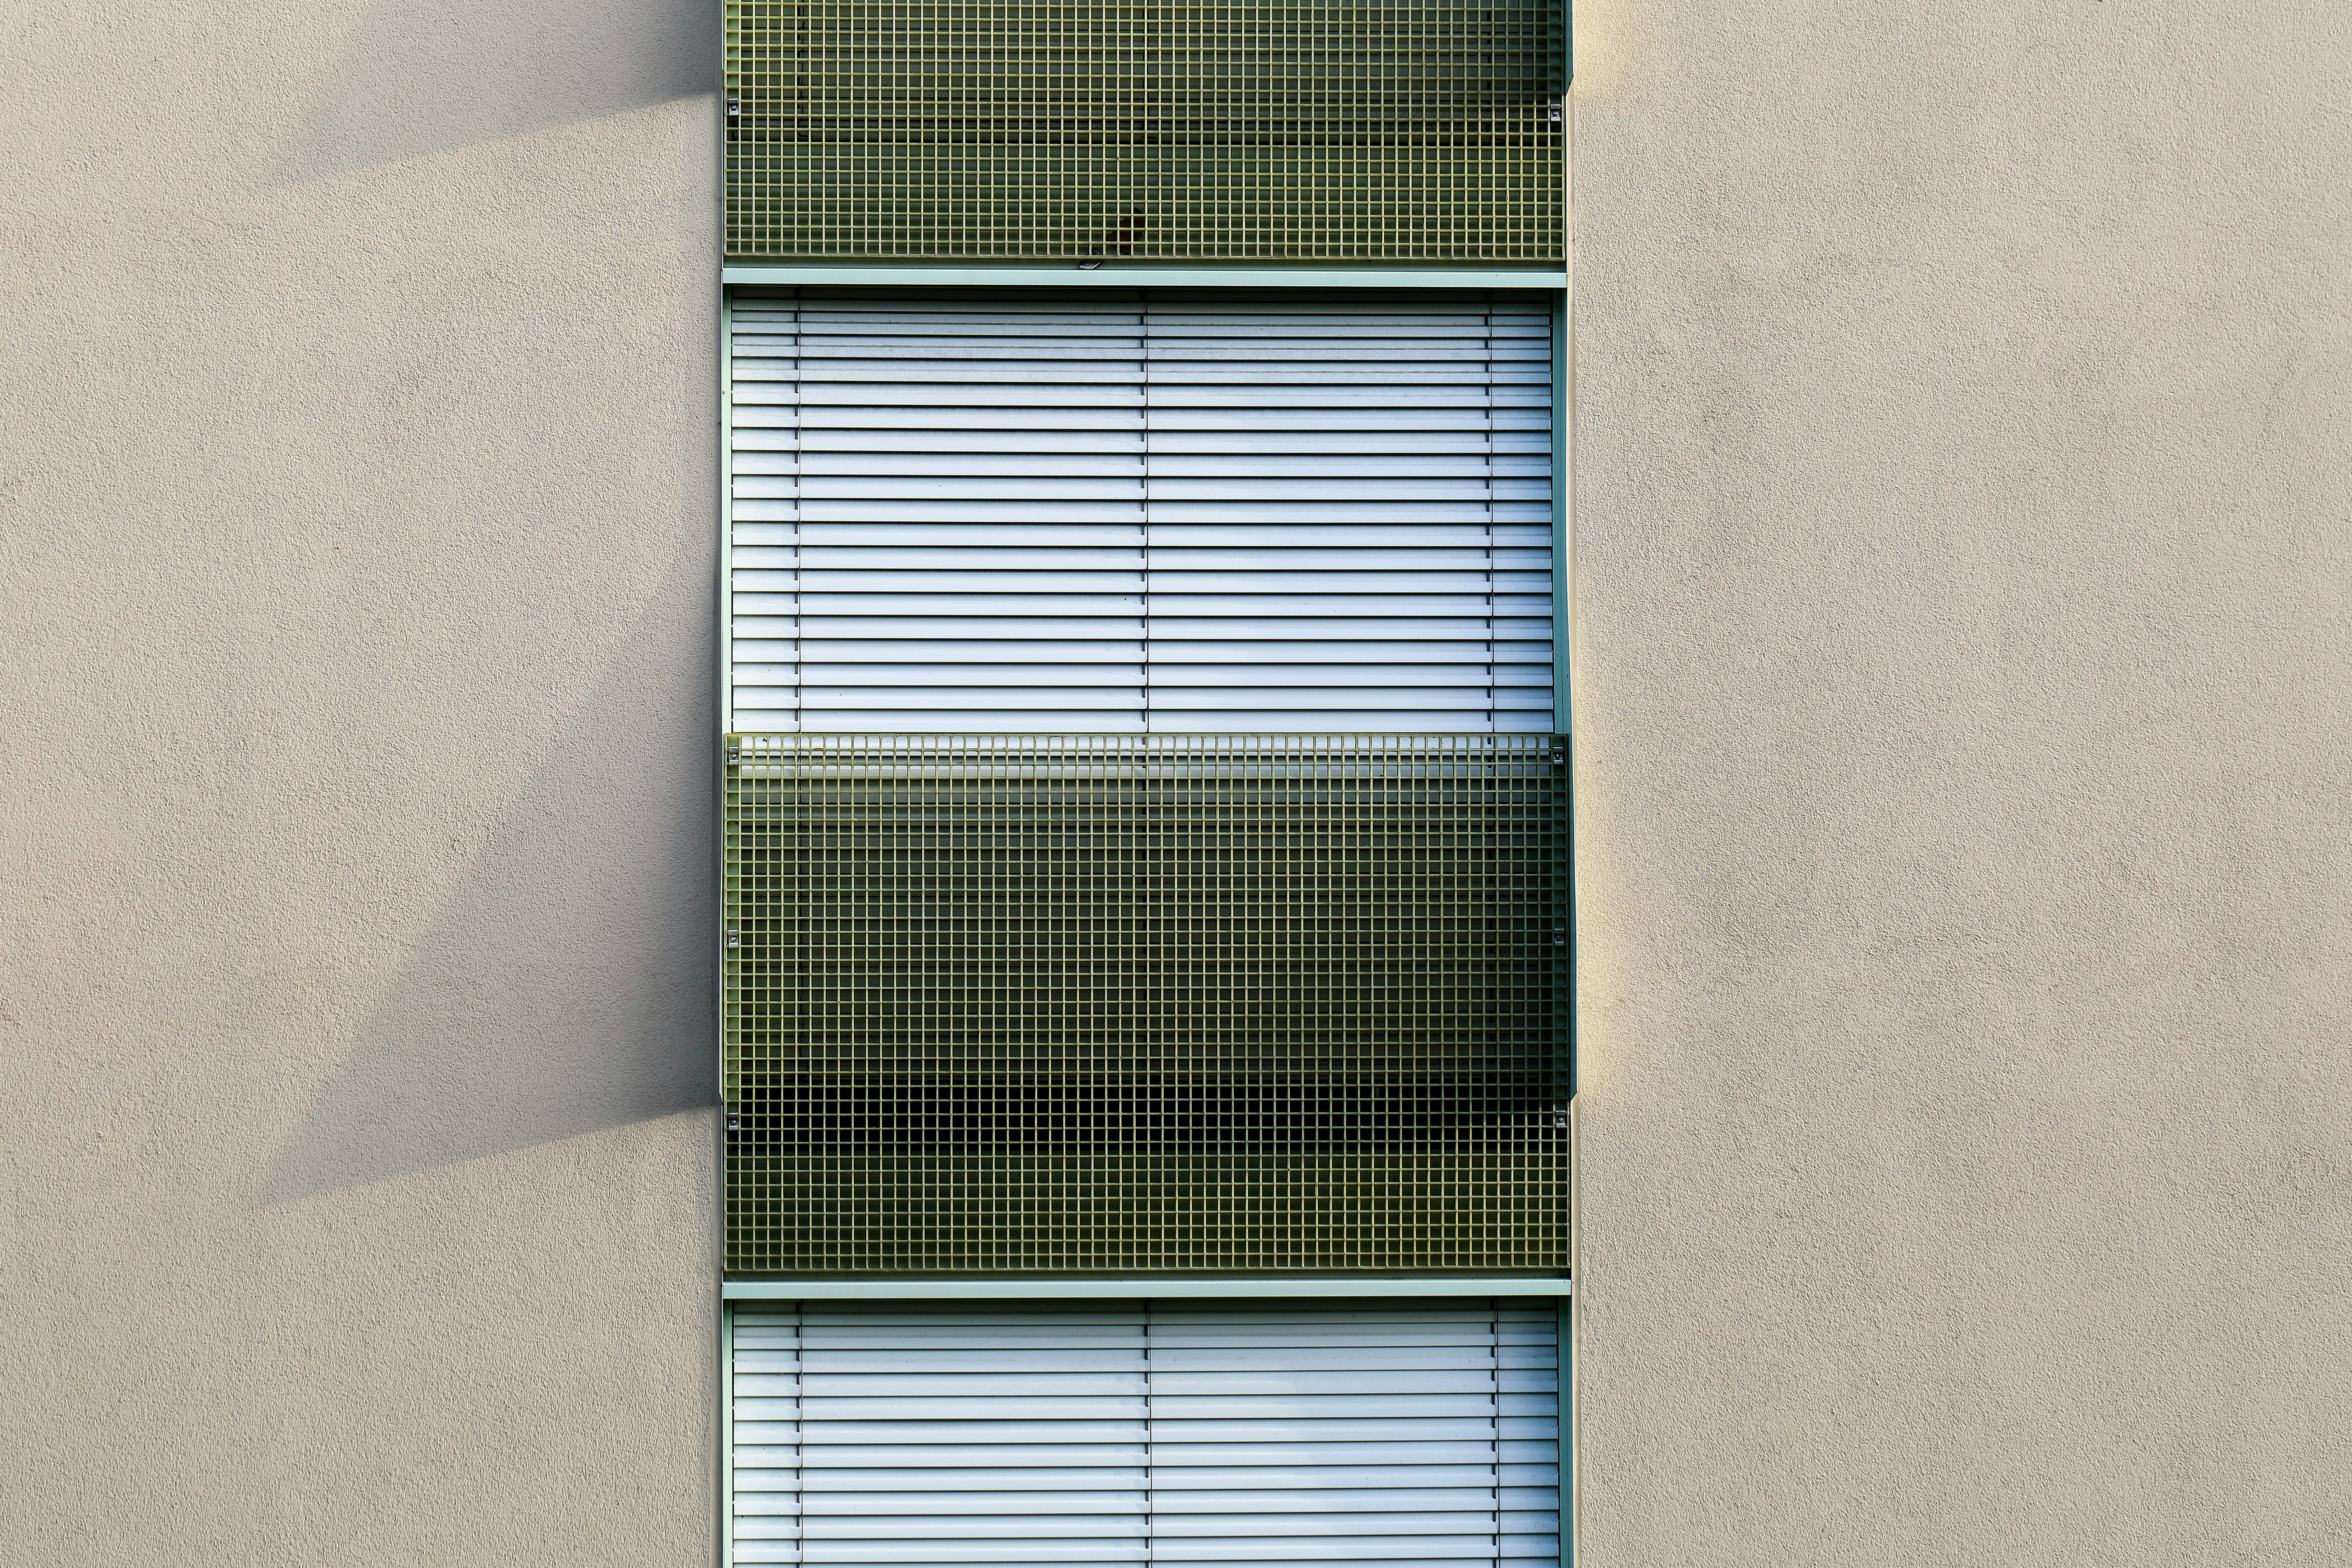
(1133, 277)
(1067, 1288)
(1570, 1450)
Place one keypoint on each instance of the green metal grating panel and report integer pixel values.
(1157, 1004)
(1169, 132)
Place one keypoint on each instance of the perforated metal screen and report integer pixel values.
(1160, 130)
(1172, 1003)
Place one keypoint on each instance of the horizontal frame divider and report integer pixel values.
(1080, 1287)
(1067, 276)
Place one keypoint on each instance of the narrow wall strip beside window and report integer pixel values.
(1196, 132)
(1148, 1004)
(1141, 510)
(1404, 1432)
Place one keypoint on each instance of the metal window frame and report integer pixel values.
(1570, 1449)
(916, 275)
(1560, 284)
(1134, 1287)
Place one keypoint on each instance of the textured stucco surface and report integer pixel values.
(1963, 552)
(355, 548)
(1966, 639)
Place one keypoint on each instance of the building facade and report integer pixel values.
(1085, 1051)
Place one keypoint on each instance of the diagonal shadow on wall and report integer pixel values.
(568, 985)
(419, 78)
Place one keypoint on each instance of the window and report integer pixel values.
(1364, 1431)
(1148, 939)
(1117, 510)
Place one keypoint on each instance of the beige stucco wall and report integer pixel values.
(356, 487)
(1963, 549)
(1965, 544)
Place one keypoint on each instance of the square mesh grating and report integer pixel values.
(1162, 1004)
(1157, 132)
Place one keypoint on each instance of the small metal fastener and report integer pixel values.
(1089, 266)
(1555, 112)
(734, 939)
(734, 753)
(735, 108)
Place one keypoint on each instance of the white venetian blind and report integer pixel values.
(1151, 510)
(1409, 1435)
